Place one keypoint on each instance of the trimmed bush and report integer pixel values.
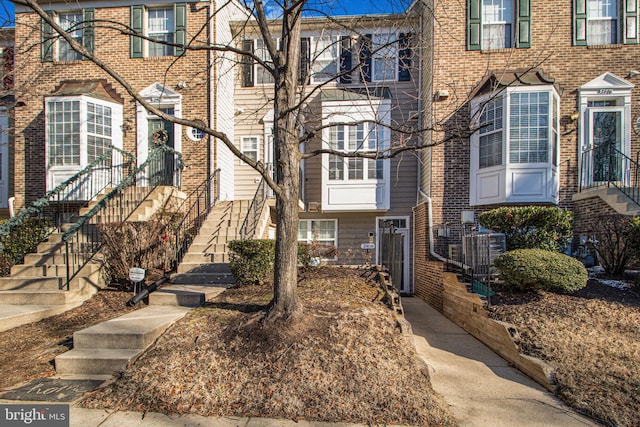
(22, 240)
(539, 269)
(531, 227)
(251, 261)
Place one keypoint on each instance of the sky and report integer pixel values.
(334, 7)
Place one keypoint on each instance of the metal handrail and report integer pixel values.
(200, 202)
(65, 200)
(82, 241)
(617, 170)
(251, 221)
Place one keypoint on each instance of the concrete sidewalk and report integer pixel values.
(480, 387)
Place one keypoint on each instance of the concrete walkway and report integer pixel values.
(480, 387)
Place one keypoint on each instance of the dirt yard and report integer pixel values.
(591, 338)
(345, 361)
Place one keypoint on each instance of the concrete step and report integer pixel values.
(210, 241)
(108, 347)
(205, 258)
(135, 330)
(45, 259)
(95, 361)
(207, 268)
(42, 297)
(30, 283)
(184, 295)
(219, 279)
(13, 315)
(31, 270)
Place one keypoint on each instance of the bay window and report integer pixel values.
(358, 138)
(79, 129)
(514, 152)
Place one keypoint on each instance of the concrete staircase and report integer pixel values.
(32, 291)
(207, 260)
(109, 347)
(613, 197)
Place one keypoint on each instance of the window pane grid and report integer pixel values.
(262, 75)
(98, 130)
(325, 61)
(602, 22)
(318, 231)
(490, 152)
(497, 18)
(63, 123)
(529, 128)
(385, 56)
(160, 26)
(356, 169)
(71, 22)
(249, 147)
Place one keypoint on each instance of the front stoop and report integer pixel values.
(617, 200)
(106, 348)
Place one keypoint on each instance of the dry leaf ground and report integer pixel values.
(345, 361)
(591, 338)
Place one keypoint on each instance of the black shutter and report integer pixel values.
(365, 57)
(88, 29)
(47, 41)
(345, 59)
(404, 57)
(305, 58)
(247, 64)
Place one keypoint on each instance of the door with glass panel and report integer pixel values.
(605, 144)
(161, 169)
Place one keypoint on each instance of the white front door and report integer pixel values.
(4, 159)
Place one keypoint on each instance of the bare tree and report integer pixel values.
(281, 37)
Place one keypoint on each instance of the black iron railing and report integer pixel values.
(197, 206)
(252, 220)
(606, 166)
(62, 204)
(162, 167)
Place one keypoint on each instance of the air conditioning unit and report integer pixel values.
(481, 249)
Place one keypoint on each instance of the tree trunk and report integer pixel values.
(286, 305)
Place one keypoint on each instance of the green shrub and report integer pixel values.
(23, 239)
(539, 269)
(531, 227)
(251, 261)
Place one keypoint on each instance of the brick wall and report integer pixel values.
(428, 273)
(36, 79)
(458, 71)
(586, 215)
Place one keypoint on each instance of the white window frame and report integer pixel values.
(310, 235)
(613, 18)
(515, 182)
(259, 70)
(508, 41)
(243, 146)
(58, 173)
(167, 50)
(385, 49)
(364, 133)
(321, 53)
(76, 34)
(354, 195)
